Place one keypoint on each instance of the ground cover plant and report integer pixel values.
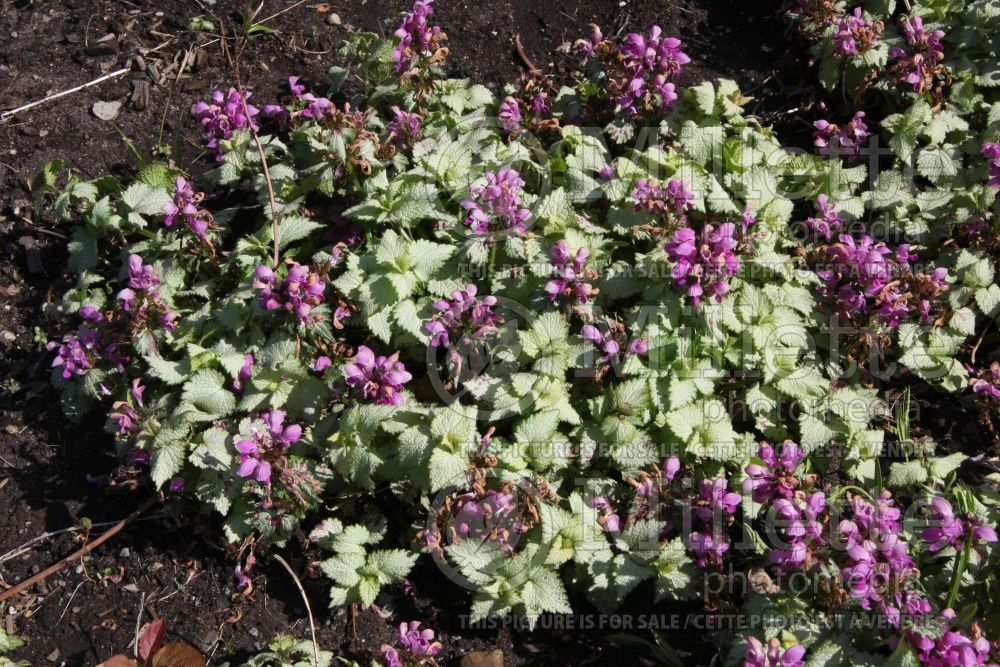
(577, 343)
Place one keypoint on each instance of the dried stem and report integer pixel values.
(305, 598)
(83, 551)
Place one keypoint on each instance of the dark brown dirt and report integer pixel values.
(156, 567)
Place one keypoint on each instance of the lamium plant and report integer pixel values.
(514, 336)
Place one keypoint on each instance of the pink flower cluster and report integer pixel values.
(826, 221)
(264, 448)
(486, 515)
(948, 530)
(776, 478)
(224, 115)
(772, 654)
(304, 105)
(185, 205)
(496, 206)
(675, 199)
(415, 36)
(650, 63)
(879, 572)
(710, 511)
(404, 128)
(953, 648)
(855, 34)
(513, 117)
(463, 320)
(418, 646)
(838, 141)
(300, 291)
(379, 379)
(141, 297)
(987, 381)
(926, 51)
(569, 281)
(862, 279)
(609, 343)
(77, 353)
(704, 265)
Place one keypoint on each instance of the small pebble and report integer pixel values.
(333, 18)
(124, 553)
(9, 336)
(106, 110)
(254, 632)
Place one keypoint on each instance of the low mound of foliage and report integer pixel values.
(573, 341)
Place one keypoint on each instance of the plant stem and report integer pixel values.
(956, 577)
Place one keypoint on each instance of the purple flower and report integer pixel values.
(772, 655)
(827, 221)
(987, 381)
(176, 484)
(608, 345)
(836, 141)
(251, 463)
(946, 529)
(185, 205)
(390, 656)
(704, 267)
(916, 67)
(510, 114)
(226, 113)
(419, 643)
(670, 468)
(675, 199)
(404, 128)
(379, 379)
(416, 37)
(463, 320)
(322, 363)
(261, 449)
(298, 293)
(863, 278)
(495, 207)
(855, 34)
(650, 62)
(569, 270)
(246, 372)
(776, 478)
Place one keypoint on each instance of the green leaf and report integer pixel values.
(909, 473)
(167, 461)
(206, 391)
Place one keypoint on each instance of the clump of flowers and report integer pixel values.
(299, 292)
(80, 352)
(703, 266)
(379, 379)
(918, 66)
(638, 75)
(404, 129)
(776, 478)
(495, 207)
(948, 530)
(855, 34)
(772, 654)
(879, 572)
(826, 221)
(864, 278)
(223, 115)
(844, 141)
(991, 151)
(418, 40)
(712, 511)
(124, 413)
(986, 382)
(611, 342)
(418, 645)
(264, 449)
(952, 646)
(570, 278)
(674, 200)
(141, 298)
(463, 322)
(481, 514)
(186, 206)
